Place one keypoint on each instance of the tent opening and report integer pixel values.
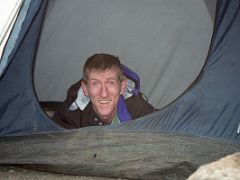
(166, 43)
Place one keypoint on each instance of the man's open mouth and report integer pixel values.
(104, 101)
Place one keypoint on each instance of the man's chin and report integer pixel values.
(105, 114)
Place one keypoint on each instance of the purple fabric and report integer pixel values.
(122, 111)
(132, 75)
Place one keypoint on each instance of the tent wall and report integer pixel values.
(8, 14)
(19, 108)
(211, 107)
(165, 42)
(13, 27)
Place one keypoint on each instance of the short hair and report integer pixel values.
(102, 62)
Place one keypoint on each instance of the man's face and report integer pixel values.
(104, 89)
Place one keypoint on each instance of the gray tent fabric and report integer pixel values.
(99, 152)
(165, 42)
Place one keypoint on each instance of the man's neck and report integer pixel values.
(107, 120)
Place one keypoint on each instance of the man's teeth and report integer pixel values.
(104, 101)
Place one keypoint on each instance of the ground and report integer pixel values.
(15, 173)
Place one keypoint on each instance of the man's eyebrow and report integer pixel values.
(112, 78)
(94, 79)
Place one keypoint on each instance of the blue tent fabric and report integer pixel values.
(209, 108)
(14, 35)
(20, 112)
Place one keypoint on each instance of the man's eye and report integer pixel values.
(111, 82)
(94, 83)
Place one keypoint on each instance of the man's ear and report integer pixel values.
(123, 86)
(84, 87)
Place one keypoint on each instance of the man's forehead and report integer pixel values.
(106, 71)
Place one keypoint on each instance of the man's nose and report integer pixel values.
(104, 91)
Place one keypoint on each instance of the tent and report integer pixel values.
(198, 124)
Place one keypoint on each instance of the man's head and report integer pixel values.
(104, 82)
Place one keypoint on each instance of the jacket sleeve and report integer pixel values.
(66, 118)
(138, 106)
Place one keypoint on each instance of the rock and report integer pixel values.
(227, 168)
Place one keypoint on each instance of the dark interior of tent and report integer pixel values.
(186, 54)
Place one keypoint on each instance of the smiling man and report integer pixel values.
(107, 94)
